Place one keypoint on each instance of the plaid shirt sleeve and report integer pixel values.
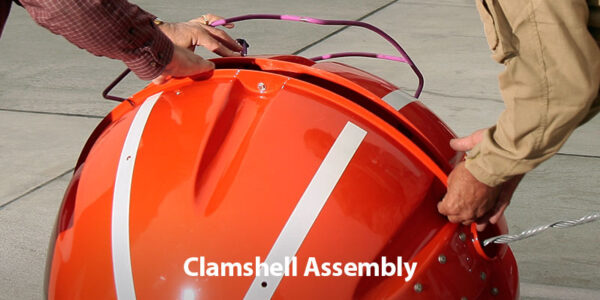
(112, 28)
(4, 10)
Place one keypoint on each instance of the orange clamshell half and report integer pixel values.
(271, 156)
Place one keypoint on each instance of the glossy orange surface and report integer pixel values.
(221, 166)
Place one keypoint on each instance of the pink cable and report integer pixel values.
(362, 54)
(405, 58)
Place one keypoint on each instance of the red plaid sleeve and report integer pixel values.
(4, 10)
(112, 28)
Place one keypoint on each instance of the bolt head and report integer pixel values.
(262, 87)
(418, 287)
(495, 291)
(462, 236)
(464, 298)
(442, 259)
(483, 276)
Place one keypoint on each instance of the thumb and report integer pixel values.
(186, 63)
(462, 144)
(160, 79)
(467, 143)
(198, 69)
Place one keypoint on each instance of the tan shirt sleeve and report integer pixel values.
(549, 85)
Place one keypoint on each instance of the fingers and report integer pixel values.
(213, 39)
(226, 44)
(464, 217)
(212, 18)
(218, 34)
(443, 208)
(504, 197)
(467, 199)
(485, 220)
(455, 212)
(499, 213)
(481, 226)
(196, 33)
(493, 216)
(208, 19)
(218, 48)
(508, 189)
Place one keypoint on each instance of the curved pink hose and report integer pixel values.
(405, 58)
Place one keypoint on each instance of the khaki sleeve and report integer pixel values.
(549, 84)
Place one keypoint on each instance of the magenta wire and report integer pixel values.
(362, 54)
(405, 58)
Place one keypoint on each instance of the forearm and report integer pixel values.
(115, 29)
(549, 85)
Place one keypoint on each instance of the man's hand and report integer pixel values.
(185, 37)
(469, 200)
(198, 32)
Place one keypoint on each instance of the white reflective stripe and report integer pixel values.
(308, 208)
(121, 255)
(398, 99)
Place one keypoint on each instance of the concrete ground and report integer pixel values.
(50, 102)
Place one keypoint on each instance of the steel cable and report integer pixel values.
(509, 238)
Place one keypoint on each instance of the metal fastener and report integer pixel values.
(418, 287)
(178, 92)
(495, 291)
(483, 276)
(464, 298)
(442, 259)
(262, 87)
(462, 236)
